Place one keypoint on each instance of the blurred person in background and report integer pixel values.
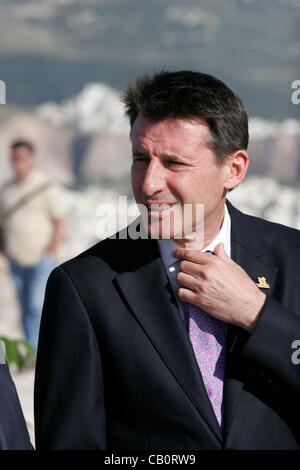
(32, 215)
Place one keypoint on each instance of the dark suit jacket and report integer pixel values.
(13, 431)
(116, 369)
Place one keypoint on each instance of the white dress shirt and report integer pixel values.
(172, 264)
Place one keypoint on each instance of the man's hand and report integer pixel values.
(218, 285)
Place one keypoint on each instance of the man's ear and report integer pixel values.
(236, 166)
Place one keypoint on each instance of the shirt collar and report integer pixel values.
(167, 246)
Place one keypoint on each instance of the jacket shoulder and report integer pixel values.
(118, 253)
(272, 232)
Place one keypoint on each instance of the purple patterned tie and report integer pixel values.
(207, 335)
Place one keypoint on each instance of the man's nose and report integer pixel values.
(154, 179)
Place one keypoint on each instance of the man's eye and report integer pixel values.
(139, 160)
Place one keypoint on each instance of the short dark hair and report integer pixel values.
(186, 95)
(22, 143)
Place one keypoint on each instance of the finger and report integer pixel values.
(196, 256)
(189, 267)
(187, 295)
(220, 251)
(187, 281)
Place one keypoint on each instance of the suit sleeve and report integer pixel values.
(69, 392)
(269, 353)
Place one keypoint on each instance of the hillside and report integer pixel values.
(50, 49)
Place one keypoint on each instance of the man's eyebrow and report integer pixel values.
(140, 153)
(169, 156)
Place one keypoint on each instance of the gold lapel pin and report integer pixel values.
(262, 283)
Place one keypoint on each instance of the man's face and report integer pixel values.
(22, 161)
(173, 165)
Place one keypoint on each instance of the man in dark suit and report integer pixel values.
(13, 432)
(160, 344)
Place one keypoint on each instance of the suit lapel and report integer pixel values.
(248, 247)
(150, 298)
(147, 292)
